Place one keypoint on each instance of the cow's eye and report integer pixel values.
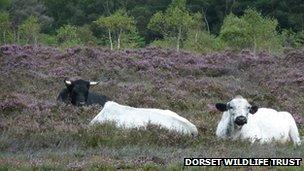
(230, 107)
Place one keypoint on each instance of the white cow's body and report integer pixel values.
(130, 117)
(265, 126)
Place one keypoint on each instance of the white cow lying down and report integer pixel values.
(130, 117)
(240, 120)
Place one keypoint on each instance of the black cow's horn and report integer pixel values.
(94, 82)
(68, 82)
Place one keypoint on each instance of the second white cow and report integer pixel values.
(240, 120)
(130, 117)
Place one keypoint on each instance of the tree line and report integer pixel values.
(198, 25)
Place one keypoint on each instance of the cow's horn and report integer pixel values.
(68, 82)
(94, 82)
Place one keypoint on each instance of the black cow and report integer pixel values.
(77, 93)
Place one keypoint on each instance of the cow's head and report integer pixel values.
(238, 110)
(78, 91)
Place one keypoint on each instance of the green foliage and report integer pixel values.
(47, 39)
(80, 12)
(234, 32)
(29, 30)
(262, 31)
(21, 10)
(165, 43)
(203, 42)
(168, 24)
(132, 39)
(174, 23)
(177, 16)
(292, 39)
(199, 40)
(67, 36)
(157, 23)
(251, 30)
(6, 35)
(198, 24)
(176, 20)
(4, 4)
(181, 4)
(116, 24)
(86, 36)
(300, 38)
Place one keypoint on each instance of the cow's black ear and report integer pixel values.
(253, 109)
(221, 107)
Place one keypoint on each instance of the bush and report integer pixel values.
(292, 39)
(29, 30)
(252, 31)
(132, 39)
(47, 39)
(165, 43)
(86, 36)
(235, 33)
(203, 42)
(67, 36)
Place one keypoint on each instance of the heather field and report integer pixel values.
(36, 132)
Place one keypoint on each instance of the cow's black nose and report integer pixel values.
(240, 120)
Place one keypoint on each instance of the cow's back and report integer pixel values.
(94, 98)
(267, 125)
(130, 117)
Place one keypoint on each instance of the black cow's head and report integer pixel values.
(78, 91)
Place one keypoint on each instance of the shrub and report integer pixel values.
(29, 30)
(86, 36)
(132, 39)
(205, 42)
(235, 32)
(67, 36)
(165, 43)
(47, 39)
(252, 31)
(292, 39)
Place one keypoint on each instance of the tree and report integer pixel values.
(67, 35)
(262, 31)
(251, 30)
(85, 35)
(29, 30)
(235, 33)
(174, 23)
(132, 39)
(20, 10)
(116, 23)
(197, 25)
(109, 25)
